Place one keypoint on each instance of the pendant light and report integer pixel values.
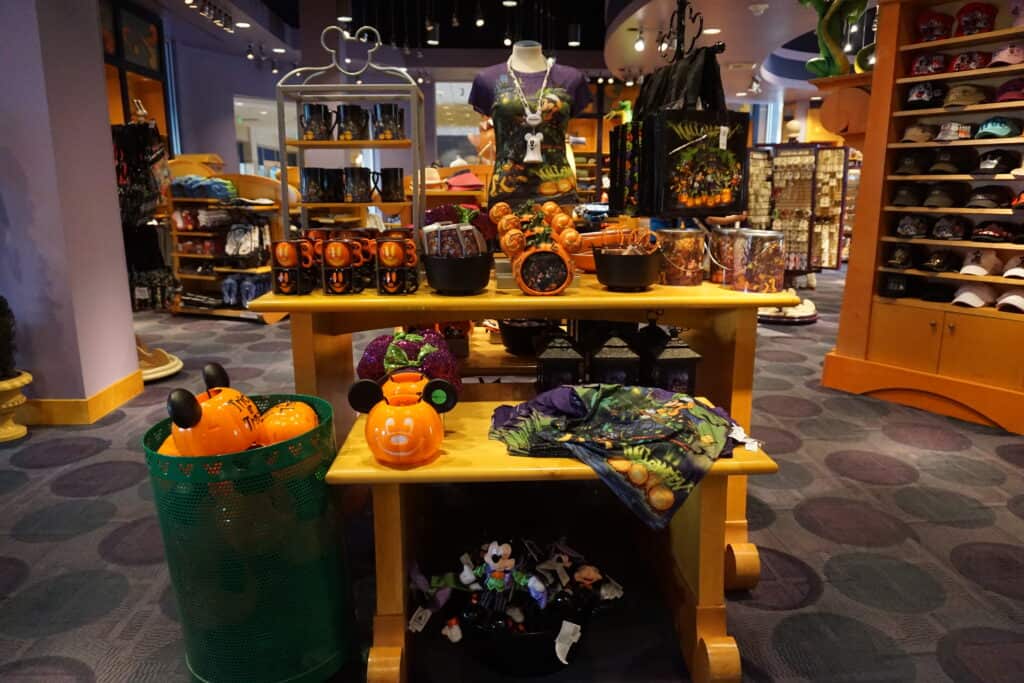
(344, 11)
(575, 34)
(479, 16)
(249, 54)
(639, 45)
(434, 36)
(455, 14)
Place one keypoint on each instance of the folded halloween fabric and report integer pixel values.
(650, 446)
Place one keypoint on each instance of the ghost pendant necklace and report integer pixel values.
(533, 117)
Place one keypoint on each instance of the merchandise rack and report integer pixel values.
(298, 87)
(915, 352)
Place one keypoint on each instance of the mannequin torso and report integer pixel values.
(528, 57)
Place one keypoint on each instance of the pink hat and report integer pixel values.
(1008, 56)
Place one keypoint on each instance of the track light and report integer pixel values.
(507, 42)
(419, 79)
(249, 54)
(629, 82)
(344, 11)
(854, 28)
(218, 19)
(278, 50)
(229, 24)
(191, 3)
(848, 47)
(575, 34)
(600, 80)
(243, 24)
(273, 67)
(611, 81)
(434, 36)
(455, 19)
(428, 24)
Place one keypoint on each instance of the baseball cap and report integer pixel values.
(899, 257)
(990, 197)
(1011, 299)
(1018, 201)
(998, 127)
(997, 161)
(932, 25)
(963, 95)
(975, 295)
(907, 195)
(913, 163)
(952, 160)
(954, 130)
(968, 61)
(981, 262)
(1014, 267)
(1017, 12)
(894, 285)
(944, 195)
(975, 17)
(925, 95)
(951, 228)
(912, 226)
(992, 231)
(940, 261)
(928, 64)
(938, 291)
(920, 132)
(1009, 55)
(1011, 91)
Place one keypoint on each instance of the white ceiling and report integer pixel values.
(748, 38)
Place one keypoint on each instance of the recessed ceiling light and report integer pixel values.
(509, 3)
(815, 98)
(243, 24)
(348, 60)
(263, 113)
(741, 94)
(279, 50)
(239, 104)
(712, 31)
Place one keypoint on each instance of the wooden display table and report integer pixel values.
(696, 535)
(721, 325)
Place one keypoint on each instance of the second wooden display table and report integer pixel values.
(695, 590)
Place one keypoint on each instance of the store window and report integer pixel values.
(257, 135)
(459, 135)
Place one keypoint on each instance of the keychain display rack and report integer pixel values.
(309, 84)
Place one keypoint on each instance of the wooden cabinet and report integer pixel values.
(981, 349)
(905, 336)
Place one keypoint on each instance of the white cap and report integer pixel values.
(1012, 298)
(981, 262)
(1014, 267)
(975, 295)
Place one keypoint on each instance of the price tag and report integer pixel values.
(419, 619)
(723, 136)
(567, 637)
(142, 293)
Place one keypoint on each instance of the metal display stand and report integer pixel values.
(298, 86)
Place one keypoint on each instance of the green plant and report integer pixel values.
(7, 370)
(833, 15)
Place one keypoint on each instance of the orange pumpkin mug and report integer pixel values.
(403, 429)
(396, 252)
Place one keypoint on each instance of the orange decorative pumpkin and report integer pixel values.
(404, 382)
(509, 222)
(498, 211)
(550, 209)
(403, 430)
(286, 255)
(513, 242)
(286, 421)
(560, 222)
(168, 447)
(226, 422)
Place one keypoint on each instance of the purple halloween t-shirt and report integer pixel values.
(515, 179)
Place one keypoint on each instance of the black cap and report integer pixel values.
(894, 285)
(938, 291)
(940, 261)
(990, 197)
(913, 163)
(945, 195)
(952, 160)
(951, 228)
(899, 257)
(908, 195)
(912, 226)
(992, 231)
(997, 161)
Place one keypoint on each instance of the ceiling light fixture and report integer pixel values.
(629, 82)
(848, 47)
(507, 42)
(712, 31)
(575, 35)
(279, 50)
(611, 81)
(249, 54)
(815, 98)
(243, 24)
(218, 18)
(263, 113)
(854, 28)
(191, 3)
(509, 3)
(344, 11)
(434, 36)
(348, 60)
(419, 79)
(600, 80)
(640, 45)
(741, 94)
(479, 16)
(273, 67)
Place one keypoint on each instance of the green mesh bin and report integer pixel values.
(255, 556)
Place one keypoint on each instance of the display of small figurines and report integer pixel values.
(539, 244)
(500, 599)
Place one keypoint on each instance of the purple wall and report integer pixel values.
(62, 265)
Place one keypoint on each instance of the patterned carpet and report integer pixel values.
(892, 540)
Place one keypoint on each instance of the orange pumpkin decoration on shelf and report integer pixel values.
(403, 430)
(499, 211)
(550, 209)
(561, 222)
(218, 421)
(540, 253)
(509, 222)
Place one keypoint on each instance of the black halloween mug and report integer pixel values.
(317, 122)
(358, 187)
(353, 122)
(332, 184)
(313, 185)
(388, 122)
(390, 184)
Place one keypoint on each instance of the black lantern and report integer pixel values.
(649, 343)
(615, 363)
(676, 368)
(558, 364)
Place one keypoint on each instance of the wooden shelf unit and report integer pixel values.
(909, 351)
(350, 144)
(1001, 177)
(266, 318)
(178, 254)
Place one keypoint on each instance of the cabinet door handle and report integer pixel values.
(932, 324)
(951, 327)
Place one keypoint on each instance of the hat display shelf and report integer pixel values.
(335, 83)
(901, 336)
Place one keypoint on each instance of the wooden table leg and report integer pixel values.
(322, 356)
(726, 340)
(386, 662)
(696, 588)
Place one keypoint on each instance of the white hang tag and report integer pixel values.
(723, 136)
(567, 637)
(419, 619)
